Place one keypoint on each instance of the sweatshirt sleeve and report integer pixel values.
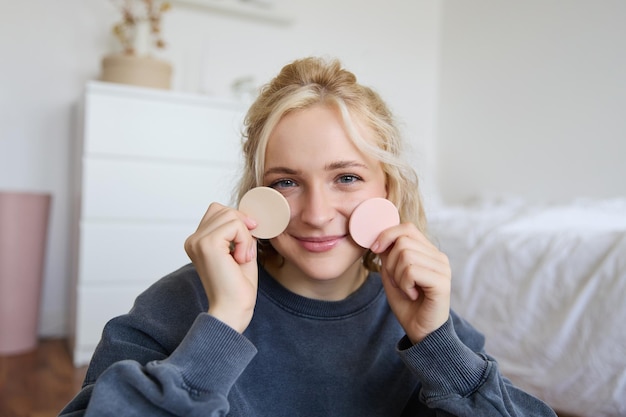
(460, 379)
(166, 357)
(193, 381)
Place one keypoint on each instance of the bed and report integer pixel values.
(546, 284)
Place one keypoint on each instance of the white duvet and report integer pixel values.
(547, 287)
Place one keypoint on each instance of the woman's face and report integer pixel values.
(311, 161)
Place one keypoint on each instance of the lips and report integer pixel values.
(319, 244)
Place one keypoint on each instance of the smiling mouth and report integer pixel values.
(319, 244)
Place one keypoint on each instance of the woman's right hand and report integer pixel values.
(224, 254)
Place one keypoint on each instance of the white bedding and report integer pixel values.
(546, 284)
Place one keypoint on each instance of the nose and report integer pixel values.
(317, 207)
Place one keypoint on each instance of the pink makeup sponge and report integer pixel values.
(268, 208)
(370, 218)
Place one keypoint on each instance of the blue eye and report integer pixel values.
(348, 179)
(283, 184)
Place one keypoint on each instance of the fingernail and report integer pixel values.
(375, 246)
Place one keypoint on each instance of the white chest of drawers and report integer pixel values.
(148, 164)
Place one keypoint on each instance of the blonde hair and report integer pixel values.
(309, 81)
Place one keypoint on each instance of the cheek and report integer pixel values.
(349, 207)
(280, 242)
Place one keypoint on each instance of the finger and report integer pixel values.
(245, 252)
(407, 250)
(217, 216)
(388, 237)
(217, 211)
(414, 278)
(232, 237)
(412, 271)
(433, 261)
(225, 233)
(407, 284)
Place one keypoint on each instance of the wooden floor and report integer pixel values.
(38, 383)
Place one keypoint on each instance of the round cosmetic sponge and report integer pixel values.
(370, 218)
(268, 208)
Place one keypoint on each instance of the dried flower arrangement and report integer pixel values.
(135, 12)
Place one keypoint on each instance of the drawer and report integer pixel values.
(151, 191)
(140, 126)
(128, 253)
(97, 305)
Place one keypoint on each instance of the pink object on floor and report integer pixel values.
(23, 235)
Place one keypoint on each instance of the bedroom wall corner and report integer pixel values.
(531, 100)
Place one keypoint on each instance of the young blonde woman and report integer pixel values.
(308, 323)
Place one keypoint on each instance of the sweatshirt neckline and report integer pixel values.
(358, 301)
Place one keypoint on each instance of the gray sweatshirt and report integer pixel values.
(298, 357)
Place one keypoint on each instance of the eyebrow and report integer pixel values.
(345, 164)
(329, 167)
(280, 170)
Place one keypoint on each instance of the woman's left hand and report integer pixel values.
(416, 277)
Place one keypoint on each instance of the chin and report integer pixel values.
(327, 268)
(325, 273)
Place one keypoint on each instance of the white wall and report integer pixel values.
(532, 99)
(49, 49)
(523, 98)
